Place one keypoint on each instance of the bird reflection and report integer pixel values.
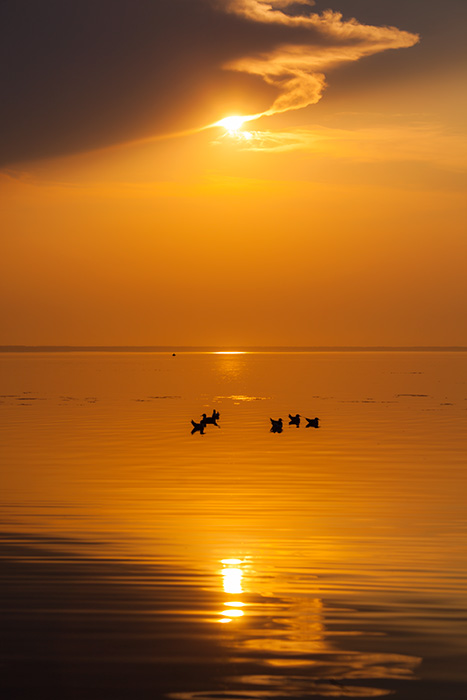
(294, 420)
(276, 425)
(197, 427)
(312, 423)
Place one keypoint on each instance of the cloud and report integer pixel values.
(295, 69)
(417, 141)
(266, 10)
(81, 74)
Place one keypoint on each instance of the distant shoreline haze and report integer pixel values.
(200, 348)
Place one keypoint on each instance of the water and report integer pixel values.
(140, 561)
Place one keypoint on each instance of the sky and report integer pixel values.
(332, 211)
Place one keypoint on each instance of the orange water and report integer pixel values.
(143, 561)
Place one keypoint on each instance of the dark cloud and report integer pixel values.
(82, 74)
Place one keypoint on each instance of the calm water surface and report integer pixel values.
(140, 561)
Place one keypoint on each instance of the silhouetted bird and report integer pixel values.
(276, 425)
(210, 420)
(312, 423)
(294, 420)
(198, 427)
(216, 414)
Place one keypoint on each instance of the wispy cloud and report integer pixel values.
(266, 10)
(416, 141)
(319, 42)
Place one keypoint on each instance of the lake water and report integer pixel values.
(141, 561)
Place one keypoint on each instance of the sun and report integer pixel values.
(232, 124)
(233, 127)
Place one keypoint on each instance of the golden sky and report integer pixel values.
(334, 214)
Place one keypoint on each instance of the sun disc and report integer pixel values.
(231, 123)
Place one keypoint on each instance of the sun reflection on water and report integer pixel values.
(232, 576)
(232, 580)
(235, 603)
(230, 352)
(230, 365)
(232, 613)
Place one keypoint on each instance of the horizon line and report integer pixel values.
(231, 348)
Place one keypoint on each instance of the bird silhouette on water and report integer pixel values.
(198, 427)
(211, 420)
(276, 425)
(312, 423)
(294, 420)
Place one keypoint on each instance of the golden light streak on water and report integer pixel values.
(232, 613)
(230, 352)
(232, 580)
(227, 562)
(235, 604)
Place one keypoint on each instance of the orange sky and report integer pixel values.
(338, 217)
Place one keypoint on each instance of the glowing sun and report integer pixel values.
(232, 124)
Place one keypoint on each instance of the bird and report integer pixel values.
(198, 427)
(276, 425)
(294, 420)
(215, 414)
(312, 423)
(210, 420)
